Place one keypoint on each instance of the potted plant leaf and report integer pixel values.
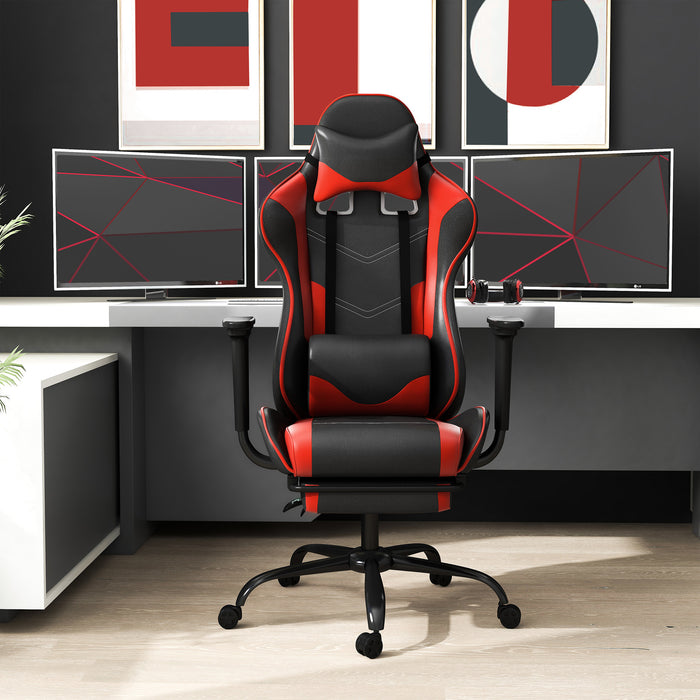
(11, 369)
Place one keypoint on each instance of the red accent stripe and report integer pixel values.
(417, 307)
(311, 502)
(297, 437)
(325, 45)
(444, 501)
(327, 400)
(451, 446)
(331, 183)
(477, 441)
(318, 299)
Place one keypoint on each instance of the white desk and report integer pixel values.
(57, 312)
(613, 383)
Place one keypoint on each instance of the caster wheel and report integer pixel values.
(509, 615)
(440, 579)
(369, 644)
(287, 581)
(229, 616)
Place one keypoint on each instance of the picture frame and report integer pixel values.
(360, 46)
(536, 74)
(191, 75)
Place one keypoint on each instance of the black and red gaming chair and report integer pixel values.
(369, 371)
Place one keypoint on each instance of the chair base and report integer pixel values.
(371, 560)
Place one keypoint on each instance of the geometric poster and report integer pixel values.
(535, 74)
(190, 74)
(340, 47)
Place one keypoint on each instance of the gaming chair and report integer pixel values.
(369, 372)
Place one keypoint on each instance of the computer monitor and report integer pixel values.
(575, 221)
(147, 221)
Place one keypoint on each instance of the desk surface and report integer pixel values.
(75, 312)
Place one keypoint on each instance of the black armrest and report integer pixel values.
(239, 330)
(504, 331)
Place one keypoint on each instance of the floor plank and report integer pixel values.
(609, 611)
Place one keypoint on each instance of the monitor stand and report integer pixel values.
(153, 295)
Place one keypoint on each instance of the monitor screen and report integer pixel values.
(144, 221)
(575, 221)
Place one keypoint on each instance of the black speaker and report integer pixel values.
(478, 291)
(512, 291)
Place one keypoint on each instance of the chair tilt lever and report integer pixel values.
(504, 331)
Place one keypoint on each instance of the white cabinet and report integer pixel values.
(59, 476)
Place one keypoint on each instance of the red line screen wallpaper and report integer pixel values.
(575, 221)
(130, 221)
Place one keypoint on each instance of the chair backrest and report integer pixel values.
(368, 237)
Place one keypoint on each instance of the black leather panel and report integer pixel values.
(369, 369)
(366, 116)
(290, 385)
(385, 503)
(368, 159)
(474, 424)
(375, 447)
(368, 289)
(272, 426)
(448, 356)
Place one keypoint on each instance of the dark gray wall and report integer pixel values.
(58, 88)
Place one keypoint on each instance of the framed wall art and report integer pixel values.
(535, 74)
(190, 74)
(367, 46)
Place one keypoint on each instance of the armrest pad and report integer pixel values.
(241, 325)
(505, 325)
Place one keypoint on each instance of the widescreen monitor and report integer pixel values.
(575, 221)
(147, 221)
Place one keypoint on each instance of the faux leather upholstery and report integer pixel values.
(386, 446)
(369, 375)
(386, 163)
(369, 400)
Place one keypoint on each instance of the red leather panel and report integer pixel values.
(298, 440)
(451, 445)
(326, 399)
(417, 299)
(318, 295)
(444, 501)
(331, 183)
(311, 502)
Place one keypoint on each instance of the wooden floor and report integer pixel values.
(609, 611)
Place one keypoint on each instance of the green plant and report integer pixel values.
(11, 370)
(13, 225)
(10, 373)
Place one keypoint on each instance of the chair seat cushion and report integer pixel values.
(374, 447)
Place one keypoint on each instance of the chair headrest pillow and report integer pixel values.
(385, 163)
